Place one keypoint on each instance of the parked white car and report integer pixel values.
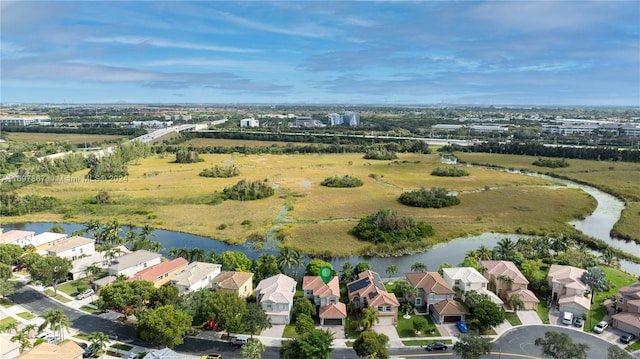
(600, 327)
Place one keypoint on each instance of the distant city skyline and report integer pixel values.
(556, 53)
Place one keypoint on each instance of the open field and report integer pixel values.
(202, 142)
(316, 219)
(621, 179)
(73, 138)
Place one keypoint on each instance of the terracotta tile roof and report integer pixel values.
(506, 268)
(430, 282)
(580, 300)
(316, 284)
(152, 273)
(632, 319)
(567, 275)
(631, 291)
(526, 295)
(14, 235)
(449, 307)
(370, 285)
(336, 310)
(231, 280)
(68, 350)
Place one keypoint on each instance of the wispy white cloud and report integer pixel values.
(150, 41)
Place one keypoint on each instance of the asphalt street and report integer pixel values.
(517, 343)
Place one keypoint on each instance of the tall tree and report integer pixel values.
(361, 267)
(7, 287)
(304, 324)
(91, 271)
(483, 253)
(316, 344)
(99, 340)
(49, 271)
(314, 265)
(347, 274)
(227, 309)
(504, 248)
(371, 345)
(164, 326)
(302, 306)
(558, 345)
(255, 319)
(266, 266)
(56, 320)
(488, 314)
(405, 290)
(595, 278)
(472, 347)
(22, 338)
(391, 270)
(253, 349)
(515, 302)
(615, 352)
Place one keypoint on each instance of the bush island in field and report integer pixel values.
(389, 227)
(550, 163)
(449, 172)
(248, 191)
(345, 181)
(380, 153)
(220, 171)
(434, 198)
(12, 205)
(187, 156)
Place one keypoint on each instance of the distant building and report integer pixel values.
(349, 118)
(26, 121)
(151, 124)
(177, 117)
(249, 122)
(305, 122)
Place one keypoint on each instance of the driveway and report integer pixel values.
(529, 317)
(390, 331)
(275, 331)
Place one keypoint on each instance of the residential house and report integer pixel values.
(131, 263)
(468, 278)
(80, 265)
(369, 291)
(327, 298)
(431, 287)
(45, 240)
(73, 248)
(161, 273)
(195, 276)
(66, 350)
(15, 236)
(275, 295)
(435, 297)
(8, 349)
(165, 353)
(568, 290)
(506, 280)
(239, 282)
(627, 305)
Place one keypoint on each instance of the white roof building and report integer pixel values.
(196, 276)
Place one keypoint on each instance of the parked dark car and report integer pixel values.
(91, 351)
(436, 346)
(577, 322)
(83, 345)
(627, 338)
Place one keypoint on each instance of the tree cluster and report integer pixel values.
(379, 153)
(313, 344)
(220, 172)
(114, 165)
(546, 162)
(449, 172)
(345, 181)
(13, 205)
(387, 226)
(436, 197)
(249, 190)
(187, 155)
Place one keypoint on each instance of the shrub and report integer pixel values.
(449, 172)
(343, 182)
(434, 198)
(13, 205)
(540, 162)
(187, 156)
(380, 154)
(220, 172)
(387, 226)
(101, 197)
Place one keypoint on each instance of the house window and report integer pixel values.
(332, 300)
(418, 301)
(457, 282)
(523, 286)
(621, 300)
(387, 308)
(144, 265)
(381, 309)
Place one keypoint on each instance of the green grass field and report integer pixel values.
(172, 196)
(617, 279)
(73, 138)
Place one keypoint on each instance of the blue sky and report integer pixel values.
(343, 52)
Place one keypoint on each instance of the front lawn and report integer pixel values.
(512, 318)
(543, 312)
(95, 311)
(59, 297)
(73, 287)
(6, 303)
(422, 342)
(290, 331)
(26, 315)
(633, 347)
(6, 321)
(405, 328)
(617, 279)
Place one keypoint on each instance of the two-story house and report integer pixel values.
(568, 290)
(239, 282)
(275, 295)
(435, 297)
(369, 291)
(327, 298)
(195, 276)
(45, 240)
(627, 305)
(66, 350)
(161, 273)
(15, 236)
(131, 263)
(73, 248)
(506, 280)
(468, 278)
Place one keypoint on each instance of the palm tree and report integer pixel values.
(418, 267)
(483, 253)
(93, 228)
(11, 326)
(30, 329)
(23, 338)
(369, 317)
(253, 349)
(56, 320)
(285, 259)
(347, 273)
(111, 232)
(197, 255)
(99, 340)
(212, 256)
(91, 271)
(298, 260)
(146, 232)
(173, 252)
(505, 247)
(391, 270)
(131, 237)
(610, 259)
(515, 302)
(505, 280)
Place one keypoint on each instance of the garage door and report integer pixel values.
(385, 321)
(278, 319)
(452, 318)
(333, 322)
